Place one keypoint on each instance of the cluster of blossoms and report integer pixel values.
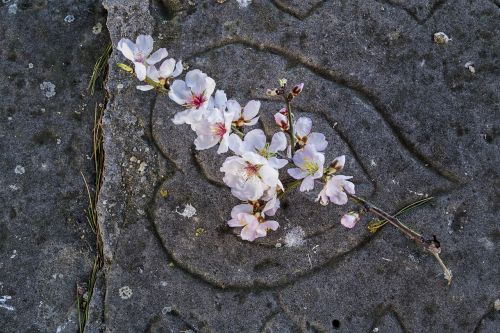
(252, 170)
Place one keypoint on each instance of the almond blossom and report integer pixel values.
(213, 130)
(169, 69)
(253, 227)
(193, 93)
(139, 53)
(246, 116)
(304, 136)
(336, 186)
(309, 166)
(255, 142)
(249, 176)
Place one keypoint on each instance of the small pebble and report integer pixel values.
(441, 38)
(30, 65)
(19, 170)
(119, 86)
(69, 18)
(12, 9)
(96, 29)
(470, 66)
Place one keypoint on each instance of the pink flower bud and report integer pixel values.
(349, 220)
(282, 120)
(297, 89)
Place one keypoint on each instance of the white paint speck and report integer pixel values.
(13, 187)
(14, 254)
(3, 300)
(441, 38)
(125, 292)
(166, 310)
(470, 66)
(58, 141)
(9, 118)
(244, 3)
(295, 237)
(142, 167)
(30, 65)
(189, 211)
(69, 18)
(19, 170)
(163, 283)
(48, 89)
(373, 163)
(119, 86)
(96, 29)
(496, 305)
(13, 9)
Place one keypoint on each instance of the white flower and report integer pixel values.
(246, 116)
(194, 116)
(309, 164)
(350, 219)
(304, 136)
(168, 69)
(214, 130)
(139, 53)
(249, 176)
(272, 204)
(336, 185)
(195, 92)
(255, 142)
(252, 228)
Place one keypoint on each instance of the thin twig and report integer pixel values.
(431, 245)
(291, 130)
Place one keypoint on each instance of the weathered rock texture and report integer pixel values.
(412, 119)
(47, 52)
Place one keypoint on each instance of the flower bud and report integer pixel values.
(281, 120)
(272, 92)
(297, 89)
(282, 82)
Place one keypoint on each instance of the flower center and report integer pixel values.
(251, 170)
(310, 167)
(219, 129)
(197, 101)
(139, 57)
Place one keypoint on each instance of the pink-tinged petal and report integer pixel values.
(297, 173)
(251, 110)
(317, 140)
(146, 87)
(307, 184)
(278, 142)
(166, 68)
(144, 44)
(338, 197)
(349, 220)
(303, 126)
(179, 92)
(242, 208)
(126, 46)
(322, 197)
(281, 120)
(178, 69)
(181, 117)
(140, 71)
(273, 225)
(157, 56)
(223, 147)
(205, 141)
(248, 234)
(271, 207)
(255, 139)
(235, 223)
(349, 187)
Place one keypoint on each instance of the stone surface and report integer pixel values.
(412, 119)
(46, 245)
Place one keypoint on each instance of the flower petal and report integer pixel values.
(317, 140)
(235, 108)
(255, 139)
(145, 87)
(297, 173)
(242, 208)
(178, 69)
(157, 56)
(278, 142)
(251, 110)
(126, 46)
(140, 71)
(307, 184)
(166, 68)
(303, 126)
(179, 92)
(144, 44)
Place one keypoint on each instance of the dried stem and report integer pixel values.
(431, 245)
(291, 130)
